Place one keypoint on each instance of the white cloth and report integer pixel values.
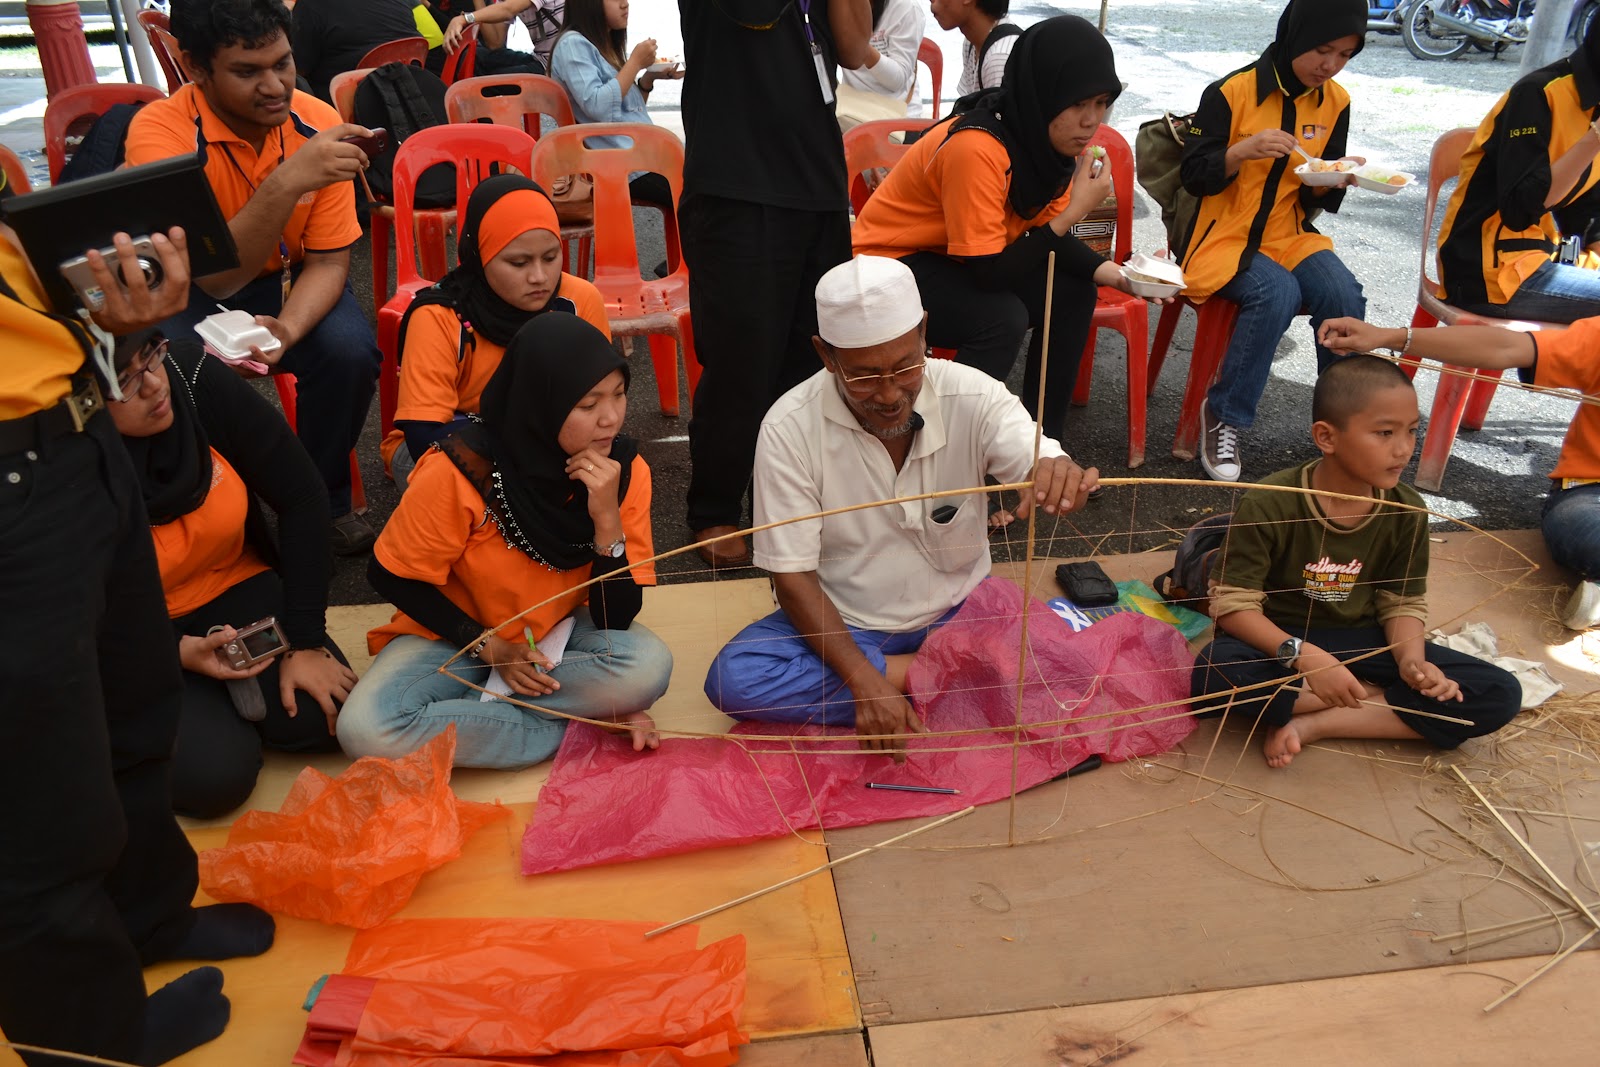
(896, 37)
(994, 64)
(889, 568)
(866, 301)
(1478, 639)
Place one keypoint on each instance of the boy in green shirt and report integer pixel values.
(1317, 588)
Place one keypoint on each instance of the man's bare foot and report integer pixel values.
(999, 519)
(643, 729)
(1282, 745)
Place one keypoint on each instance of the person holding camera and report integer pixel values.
(208, 449)
(281, 167)
(98, 879)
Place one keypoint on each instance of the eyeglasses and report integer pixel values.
(130, 381)
(866, 384)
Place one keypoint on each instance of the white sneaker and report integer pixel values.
(1219, 448)
(1583, 610)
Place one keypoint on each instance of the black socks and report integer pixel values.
(225, 932)
(182, 1015)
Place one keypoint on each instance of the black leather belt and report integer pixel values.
(69, 416)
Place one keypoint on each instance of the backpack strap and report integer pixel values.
(1001, 31)
(402, 101)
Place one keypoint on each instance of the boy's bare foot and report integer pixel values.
(1282, 745)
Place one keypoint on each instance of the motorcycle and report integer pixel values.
(1388, 16)
(1443, 29)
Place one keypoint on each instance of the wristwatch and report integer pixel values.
(613, 550)
(470, 17)
(1289, 651)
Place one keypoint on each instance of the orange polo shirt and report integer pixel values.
(1567, 360)
(441, 534)
(203, 554)
(322, 221)
(438, 382)
(947, 195)
(40, 355)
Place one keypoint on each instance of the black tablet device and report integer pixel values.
(60, 223)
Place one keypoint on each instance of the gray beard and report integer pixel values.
(893, 433)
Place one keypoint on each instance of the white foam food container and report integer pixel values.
(1154, 268)
(232, 333)
(1379, 179)
(1308, 176)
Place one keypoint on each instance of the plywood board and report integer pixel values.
(800, 980)
(1419, 1016)
(832, 1050)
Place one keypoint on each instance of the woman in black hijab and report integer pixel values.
(208, 450)
(1252, 240)
(982, 199)
(502, 524)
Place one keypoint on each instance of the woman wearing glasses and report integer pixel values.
(209, 451)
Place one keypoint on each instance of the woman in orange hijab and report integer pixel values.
(454, 334)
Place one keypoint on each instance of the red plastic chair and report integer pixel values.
(461, 63)
(930, 56)
(72, 111)
(16, 174)
(656, 308)
(1115, 310)
(472, 150)
(288, 394)
(412, 50)
(868, 147)
(1213, 329)
(520, 100)
(1457, 398)
(158, 28)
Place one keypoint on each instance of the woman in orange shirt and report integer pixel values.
(503, 523)
(208, 449)
(981, 200)
(455, 333)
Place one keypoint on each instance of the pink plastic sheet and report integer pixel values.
(605, 803)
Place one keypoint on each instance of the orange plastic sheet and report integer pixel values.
(350, 849)
(553, 992)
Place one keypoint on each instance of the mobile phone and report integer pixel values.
(373, 144)
(260, 640)
(944, 513)
(1086, 584)
(77, 273)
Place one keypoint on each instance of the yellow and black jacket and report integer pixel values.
(1264, 207)
(1497, 230)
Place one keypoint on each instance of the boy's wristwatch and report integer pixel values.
(1288, 652)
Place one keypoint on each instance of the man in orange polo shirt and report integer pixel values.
(282, 174)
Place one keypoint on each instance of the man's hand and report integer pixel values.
(883, 709)
(1329, 679)
(1353, 335)
(324, 160)
(140, 306)
(524, 668)
(1427, 679)
(278, 329)
(1059, 486)
(314, 671)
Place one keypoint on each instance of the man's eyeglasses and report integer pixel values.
(866, 384)
(130, 381)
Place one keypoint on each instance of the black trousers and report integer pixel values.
(753, 273)
(986, 326)
(218, 753)
(1490, 696)
(95, 876)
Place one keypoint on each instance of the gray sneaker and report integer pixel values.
(1583, 610)
(350, 535)
(1219, 448)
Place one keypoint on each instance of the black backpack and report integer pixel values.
(104, 144)
(404, 99)
(1197, 555)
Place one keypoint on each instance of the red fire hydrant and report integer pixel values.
(63, 50)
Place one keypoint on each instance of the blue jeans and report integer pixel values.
(403, 700)
(1556, 292)
(769, 672)
(1571, 524)
(336, 367)
(1269, 297)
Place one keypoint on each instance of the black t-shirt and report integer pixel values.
(755, 125)
(330, 36)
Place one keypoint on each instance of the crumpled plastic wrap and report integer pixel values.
(603, 803)
(553, 992)
(350, 849)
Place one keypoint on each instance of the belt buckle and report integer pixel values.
(83, 403)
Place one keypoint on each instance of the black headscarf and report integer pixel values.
(174, 466)
(1055, 63)
(1307, 25)
(512, 453)
(465, 289)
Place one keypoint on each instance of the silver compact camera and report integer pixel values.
(254, 643)
(76, 271)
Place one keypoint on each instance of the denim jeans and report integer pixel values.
(1269, 297)
(1556, 292)
(1571, 523)
(403, 700)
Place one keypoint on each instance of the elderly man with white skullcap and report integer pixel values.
(859, 592)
